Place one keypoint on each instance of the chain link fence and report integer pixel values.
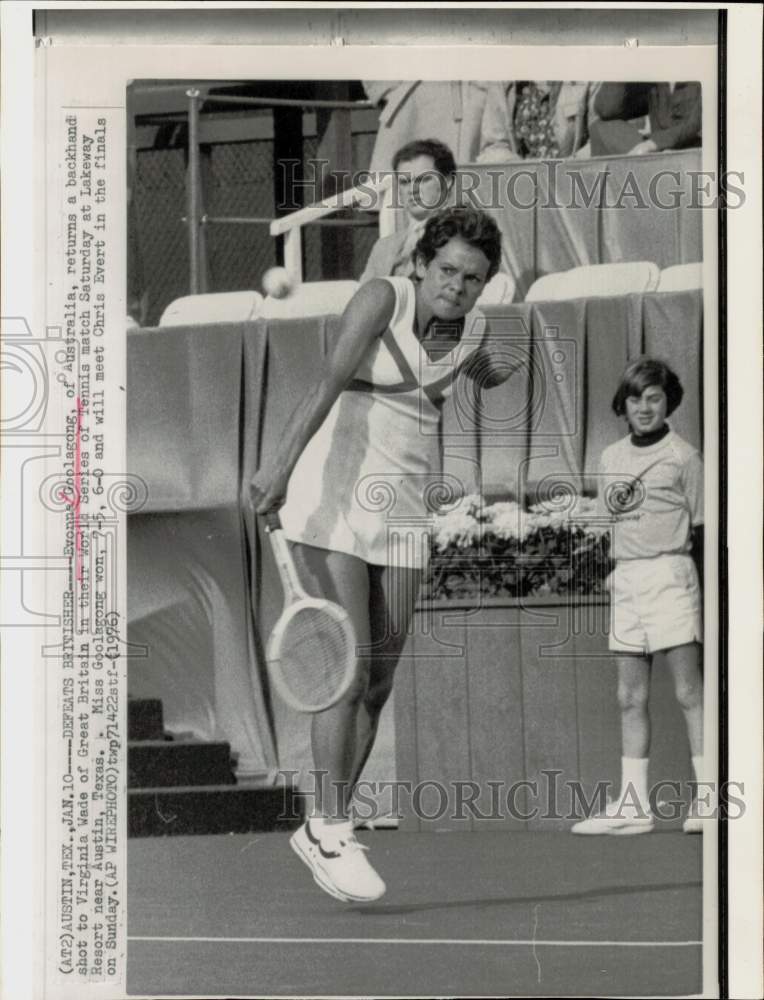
(161, 241)
(237, 180)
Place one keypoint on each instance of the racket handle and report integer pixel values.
(272, 521)
(290, 580)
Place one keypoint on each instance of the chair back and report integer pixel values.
(595, 280)
(215, 307)
(311, 298)
(499, 291)
(681, 277)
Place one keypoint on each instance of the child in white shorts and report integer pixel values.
(651, 488)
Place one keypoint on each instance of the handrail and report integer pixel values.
(290, 226)
(274, 102)
(289, 102)
(259, 220)
(336, 202)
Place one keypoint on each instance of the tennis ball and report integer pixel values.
(277, 283)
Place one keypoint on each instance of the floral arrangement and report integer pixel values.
(504, 550)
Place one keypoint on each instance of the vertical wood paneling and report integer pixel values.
(598, 716)
(496, 718)
(530, 689)
(406, 730)
(443, 722)
(549, 704)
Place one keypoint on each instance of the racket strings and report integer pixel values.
(314, 655)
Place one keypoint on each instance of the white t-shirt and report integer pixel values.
(652, 495)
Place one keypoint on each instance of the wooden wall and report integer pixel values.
(517, 692)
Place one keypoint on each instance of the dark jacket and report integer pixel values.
(675, 118)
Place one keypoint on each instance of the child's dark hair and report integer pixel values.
(645, 371)
(470, 225)
(442, 157)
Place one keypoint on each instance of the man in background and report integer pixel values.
(425, 170)
(673, 111)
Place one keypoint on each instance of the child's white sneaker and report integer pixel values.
(618, 819)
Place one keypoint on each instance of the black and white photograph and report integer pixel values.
(415, 385)
(382, 462)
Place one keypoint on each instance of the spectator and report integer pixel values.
(673, 109)
(448, 109)
(533, 119)
(426, 170)
(651, 488)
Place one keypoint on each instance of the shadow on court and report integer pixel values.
(518, 914)
(385, 910)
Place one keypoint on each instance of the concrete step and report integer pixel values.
(176, 763)
(144, 719)
(166, 812)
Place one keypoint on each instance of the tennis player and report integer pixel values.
(358, 456)
(651, 486)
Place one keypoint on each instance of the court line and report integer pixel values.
(507, 943)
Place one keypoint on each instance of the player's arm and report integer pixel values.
(365, 318)
(375, 265)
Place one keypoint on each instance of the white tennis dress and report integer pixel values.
(369, 480)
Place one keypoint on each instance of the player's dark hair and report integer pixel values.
(643, 372)
(474, 227)
(442, 157)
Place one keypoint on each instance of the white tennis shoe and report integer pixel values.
(338, 862)
(618, 819)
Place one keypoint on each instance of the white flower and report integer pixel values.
(581, 513)
(508, 520)
(458, 526)
(470, 518)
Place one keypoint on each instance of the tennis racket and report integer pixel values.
(311, 652)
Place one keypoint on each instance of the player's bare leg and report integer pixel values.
(393, 597)
(326, 842)
(344, 579)
(685, 663)
(629, 812)
(633, 700)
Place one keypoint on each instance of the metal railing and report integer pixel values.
(289, 226)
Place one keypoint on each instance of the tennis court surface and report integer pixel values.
(520, 914)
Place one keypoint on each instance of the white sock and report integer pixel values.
(698, 767)
(320, 823)
(634, 774)
(704, 792)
